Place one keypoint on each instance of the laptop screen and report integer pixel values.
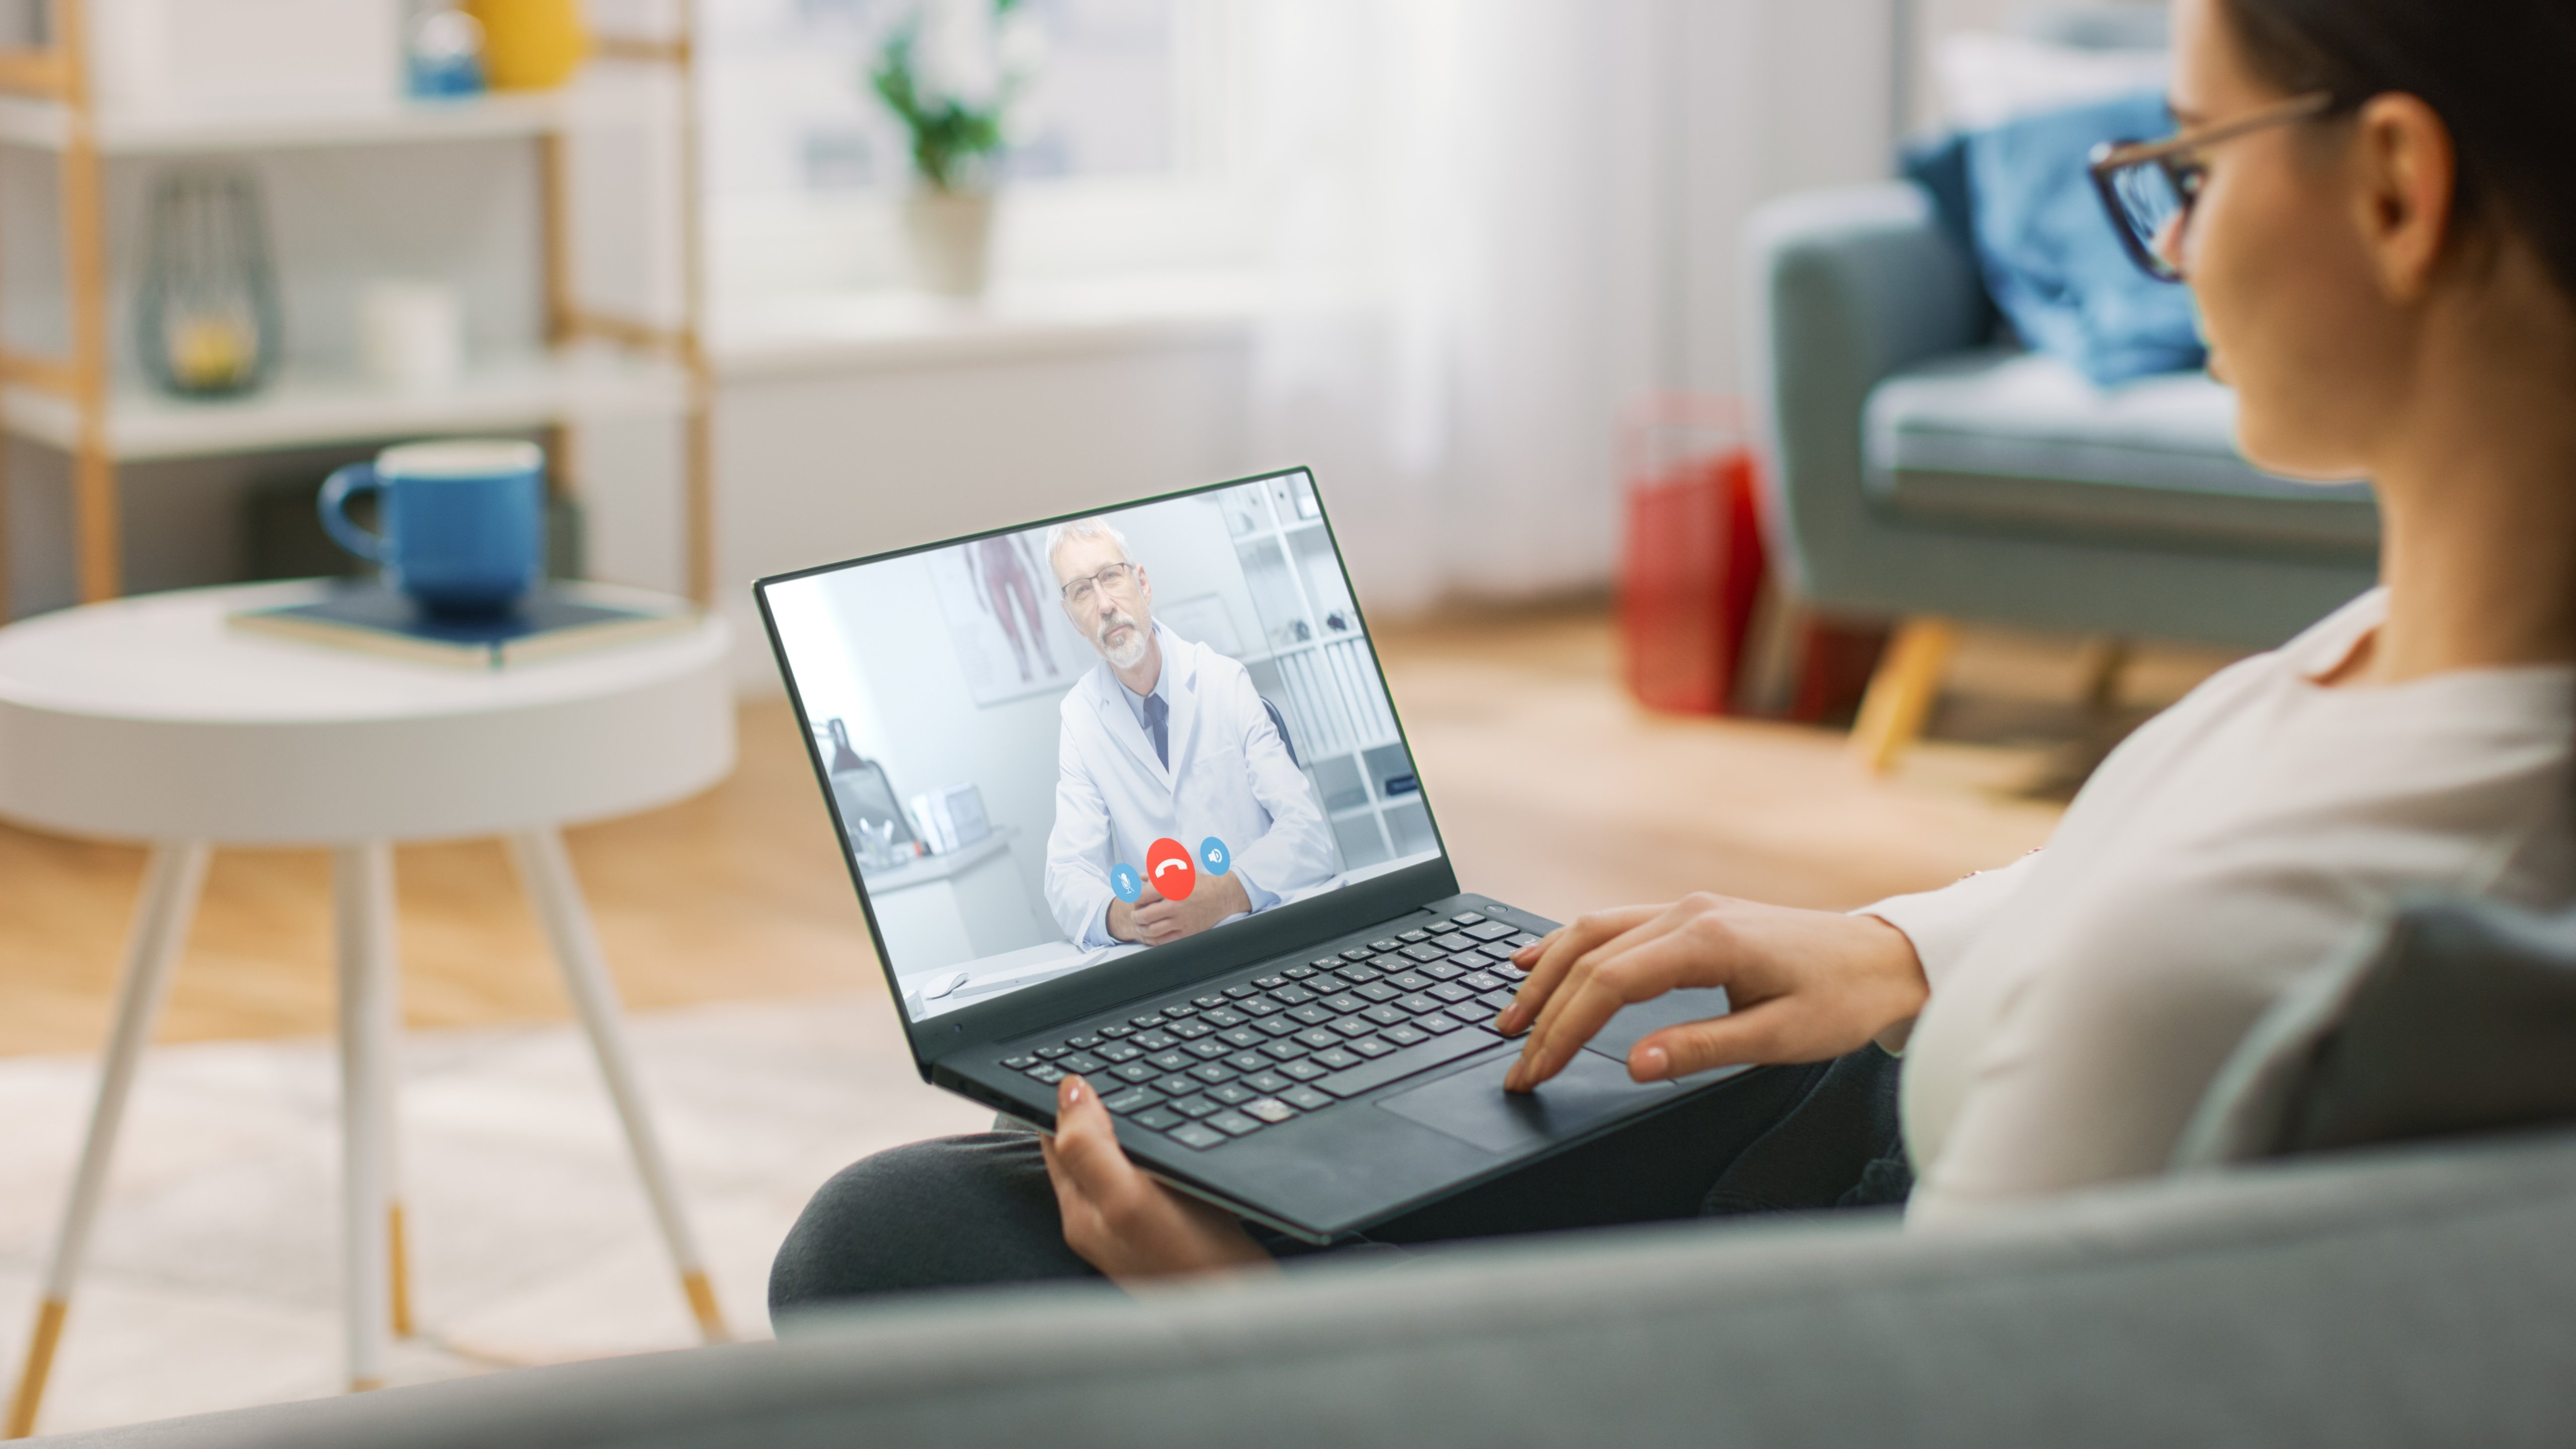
(1055, 747)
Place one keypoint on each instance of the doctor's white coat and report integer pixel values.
(1230, 777)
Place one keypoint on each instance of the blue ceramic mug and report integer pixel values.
(464, 521)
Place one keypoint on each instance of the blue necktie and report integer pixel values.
(1155, 712)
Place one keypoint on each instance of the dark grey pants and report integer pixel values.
(968, 1211)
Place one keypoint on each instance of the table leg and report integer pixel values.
(362, 891)
(547, 873)
(170, 886)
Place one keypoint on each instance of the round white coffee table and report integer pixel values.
(150, 719)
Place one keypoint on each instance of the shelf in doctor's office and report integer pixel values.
(304, 407)
(1300, 646)
(1371, 807)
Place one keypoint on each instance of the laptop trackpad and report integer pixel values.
(1473, 1107)
(1633, 1023)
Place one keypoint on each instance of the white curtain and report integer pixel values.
(1466, 215)
(1501, 223)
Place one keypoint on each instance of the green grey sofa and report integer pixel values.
(2422, 1296)
(2281, 1286)
(1921, 466)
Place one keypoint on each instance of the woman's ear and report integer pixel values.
(2405, 171)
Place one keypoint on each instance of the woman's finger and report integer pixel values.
(1558, 951)
(1119, 1220)
(1645, 923)
(1756, 1034)
(1081, 1218)
(1090, 1170)
(1527, 956)
(1673, 958)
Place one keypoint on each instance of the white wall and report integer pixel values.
(1769, 97)
(1935, 19)
(1750, 99)
(822, 466)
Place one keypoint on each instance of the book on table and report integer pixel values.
(548, 623)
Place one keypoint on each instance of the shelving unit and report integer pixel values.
(46, 125)
(593, 363)
(1315, 664)
(301, 409)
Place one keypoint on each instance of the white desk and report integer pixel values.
(947, 910)
(148, 719)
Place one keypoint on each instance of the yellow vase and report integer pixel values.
(530, 45)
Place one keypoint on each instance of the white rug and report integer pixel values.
(213, 1275)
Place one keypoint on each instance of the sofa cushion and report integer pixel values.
(2016, 440)
(2051, 256)
(2460, 1018)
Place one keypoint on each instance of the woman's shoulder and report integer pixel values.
(2311, 652)
(2315, 650)
(2270, 879)
(2263, 733)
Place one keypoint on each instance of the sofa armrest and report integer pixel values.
(1847, 286)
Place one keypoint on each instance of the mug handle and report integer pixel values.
(337, 490)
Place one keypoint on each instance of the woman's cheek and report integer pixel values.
(2230, 305)
(2217, 363)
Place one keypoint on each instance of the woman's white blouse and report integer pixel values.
(2083, 997)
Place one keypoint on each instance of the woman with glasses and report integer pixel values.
(2374, 205)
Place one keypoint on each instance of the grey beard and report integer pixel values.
(1125, 656)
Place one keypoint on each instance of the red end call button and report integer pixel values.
(1170, 871)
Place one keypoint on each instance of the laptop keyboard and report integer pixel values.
(1228, 1063)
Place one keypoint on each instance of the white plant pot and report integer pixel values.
(952, 240)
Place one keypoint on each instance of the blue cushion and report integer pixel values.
(1939, 164)
(2050, 256)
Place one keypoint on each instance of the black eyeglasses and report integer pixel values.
(2149, 187)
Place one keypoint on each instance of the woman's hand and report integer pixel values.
(1802, 986)
(1122, 1222)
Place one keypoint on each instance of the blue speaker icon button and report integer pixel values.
(1125, 883)
(1214, 857)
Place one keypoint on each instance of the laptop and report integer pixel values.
(1027, 802)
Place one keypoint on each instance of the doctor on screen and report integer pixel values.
(1164, 740)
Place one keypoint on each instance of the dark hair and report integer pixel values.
(2498, 72)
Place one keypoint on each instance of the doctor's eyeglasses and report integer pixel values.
(1079, 592)
(2149, 187)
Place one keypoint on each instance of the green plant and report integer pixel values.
(954, 136)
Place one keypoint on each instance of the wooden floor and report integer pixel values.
(1552, 790)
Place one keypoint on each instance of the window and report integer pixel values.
(1117, 160)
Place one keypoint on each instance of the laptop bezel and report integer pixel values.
(1157, 972)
